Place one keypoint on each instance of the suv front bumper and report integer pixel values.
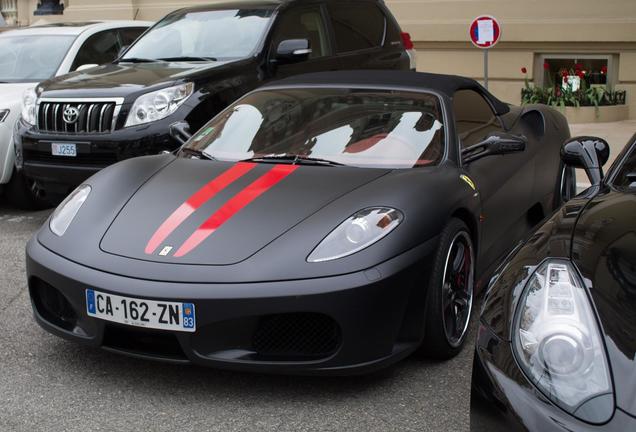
(60, 174)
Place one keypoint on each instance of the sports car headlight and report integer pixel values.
(4, 114)
(356, 233)
(66, 212)
(29, 106)
(158, 104)
(558, 344)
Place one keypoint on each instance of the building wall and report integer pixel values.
(439, 28)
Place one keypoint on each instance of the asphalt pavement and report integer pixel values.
(49, 384)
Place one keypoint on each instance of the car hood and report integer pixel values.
(11, 94)
(604, 250)
(217, 213)
(123, 79)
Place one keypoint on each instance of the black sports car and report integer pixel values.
(328, 223)
(557, 341)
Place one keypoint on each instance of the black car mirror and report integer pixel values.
(499, 143)
(180, 131)
(588, 153)
(293, 50)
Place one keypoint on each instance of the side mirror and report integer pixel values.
(588, 153)
(499, 143)
(293, 50)
(180, 131)
(86, 66)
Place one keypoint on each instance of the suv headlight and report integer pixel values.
(4, 114)
(356, 233)
(29, 106)
(158, 104)
(66, 212)
(558, 344)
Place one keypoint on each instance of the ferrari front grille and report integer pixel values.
(296, 336)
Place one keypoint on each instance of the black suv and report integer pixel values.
(188, 67)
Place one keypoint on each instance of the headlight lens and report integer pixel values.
(558, 344)
(159, 104)
(356, 233)
(66, 212)
(4, 114)
(29, 104)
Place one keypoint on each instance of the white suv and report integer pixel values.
(34, 54)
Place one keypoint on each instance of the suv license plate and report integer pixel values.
(68, 150)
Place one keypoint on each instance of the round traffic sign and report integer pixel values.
(485, 31)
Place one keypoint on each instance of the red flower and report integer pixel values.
(546, 66)
(604, 70)
(578, 66)
(565, 73)
(524, 70)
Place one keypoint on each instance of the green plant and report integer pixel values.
(562, 96)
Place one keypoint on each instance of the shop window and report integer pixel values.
(576, 72)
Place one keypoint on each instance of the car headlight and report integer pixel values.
(29, 106)
(159, 104)
(356, 233)
(4, 114)
(558, 344)
(66, 212)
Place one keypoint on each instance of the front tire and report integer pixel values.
(24, 193)
(450, 293)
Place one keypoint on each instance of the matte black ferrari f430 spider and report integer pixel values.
(327, 223)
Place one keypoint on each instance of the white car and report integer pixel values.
(34, 54)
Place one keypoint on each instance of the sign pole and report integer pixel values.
(485, 32)
(486, 68)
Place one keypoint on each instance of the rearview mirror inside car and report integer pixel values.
(588, 153)
(495, 144)
(293, 50)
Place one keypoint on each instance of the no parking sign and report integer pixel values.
(485, 32)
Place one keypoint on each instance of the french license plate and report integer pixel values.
(68, 150)
(141, 313)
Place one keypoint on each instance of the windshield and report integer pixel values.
(362, 128)
(625, 178)
(32, 58)
(219, 34)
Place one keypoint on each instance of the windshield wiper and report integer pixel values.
(188, 58)
(293, 160)
(137, 60)
(198, 154)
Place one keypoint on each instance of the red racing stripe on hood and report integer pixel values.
(193, 203)
(234, 205)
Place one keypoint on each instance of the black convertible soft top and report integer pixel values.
(445, 84)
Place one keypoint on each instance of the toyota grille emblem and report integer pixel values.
(71, 115)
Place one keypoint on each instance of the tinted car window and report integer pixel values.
(474, 118)
(353, 127)
(218, 34)
(129, 35)
(32, 58)
(357, 26)
(625, 178)
(304, 23)
(98, 49)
